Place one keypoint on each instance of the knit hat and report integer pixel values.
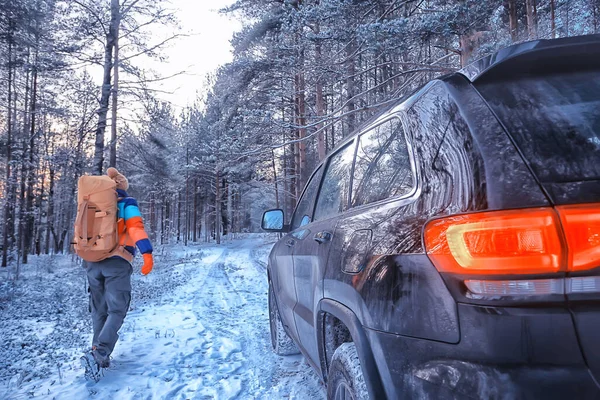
(119, 178)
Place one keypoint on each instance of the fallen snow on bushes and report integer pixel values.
(197, 328)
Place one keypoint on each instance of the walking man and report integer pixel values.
(110, 278)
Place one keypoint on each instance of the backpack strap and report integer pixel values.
(82, 220)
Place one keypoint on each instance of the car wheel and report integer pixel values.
(346, 380)
(282, 344)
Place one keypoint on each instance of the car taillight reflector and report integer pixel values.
(581, 224)
(527, 287)
(583, 284)
(517, 288)
(498, 242)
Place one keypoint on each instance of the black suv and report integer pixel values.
(451, 248)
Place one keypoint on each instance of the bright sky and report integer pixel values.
(199, 54)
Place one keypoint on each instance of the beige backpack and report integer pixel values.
(96, 226)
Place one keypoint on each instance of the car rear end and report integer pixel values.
(527, 280)
(553, 117)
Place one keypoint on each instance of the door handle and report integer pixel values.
(322, 237)
(290, 242)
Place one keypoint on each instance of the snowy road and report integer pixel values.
(197, 330)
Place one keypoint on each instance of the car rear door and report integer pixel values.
(312, 250)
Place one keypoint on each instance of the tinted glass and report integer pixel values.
(303, 213)
(382, 166)
(555, 121)
(333, 197)
(453, 165)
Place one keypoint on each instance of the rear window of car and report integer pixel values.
(554, 120)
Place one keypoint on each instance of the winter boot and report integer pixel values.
(91, 367)
(102, 359)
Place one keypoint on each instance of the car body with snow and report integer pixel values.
(450, 248)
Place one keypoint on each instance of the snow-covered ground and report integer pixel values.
(197, 329)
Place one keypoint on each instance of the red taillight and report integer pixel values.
(524, 241)
(497, 242)
(581, 224)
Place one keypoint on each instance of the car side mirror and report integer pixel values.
(272, 221)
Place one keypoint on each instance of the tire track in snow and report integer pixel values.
(230, 304)
(242, 273)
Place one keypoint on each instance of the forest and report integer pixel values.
(304, 74)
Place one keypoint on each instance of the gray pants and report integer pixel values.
(110, 289)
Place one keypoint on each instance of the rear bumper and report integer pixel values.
(503, 354)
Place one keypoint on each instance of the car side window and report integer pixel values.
(303, 213)
(382, 168)
(333, 197)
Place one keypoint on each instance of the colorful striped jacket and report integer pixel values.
(131, 226)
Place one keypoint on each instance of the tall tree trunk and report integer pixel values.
(553, 19)
(351, 85)
(321, 150)
(195, 212)
(531, 18)
(152, 217)
(285, 162)
(319, 101)
(111, 38)
(295, 168)
(115, 94)
(162, 222)
(178, 216)
(566, 7)
(513, 22)
(39, 204)
(201, 218)
(187, 197)
(205, 219)
(218, 208)
(24, 166)
(167, 219)
(594, 12)
(301, 122)
(230, 194)
(300, 108)
(286, 182)
(294, 159)
(275, 179)
(50, 209)
(332, 125)
(235, 228)
(28, 231)
(466, 49)
(535, 18)
(9, 187)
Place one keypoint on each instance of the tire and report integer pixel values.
(346, 379)
(282, 344)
